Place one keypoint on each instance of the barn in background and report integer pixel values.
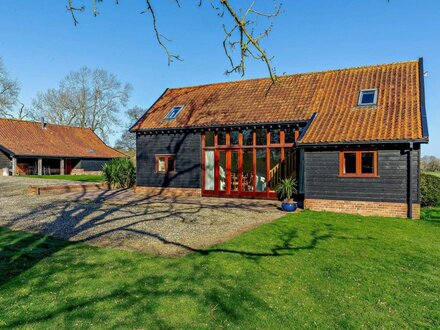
(38, 148)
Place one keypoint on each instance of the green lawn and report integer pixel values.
(434, 173)
(83, 178)
(307, 270)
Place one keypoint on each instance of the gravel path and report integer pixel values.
(121, 219)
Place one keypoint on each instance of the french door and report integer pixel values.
(249, 163)
(236, 172)
(227, 172)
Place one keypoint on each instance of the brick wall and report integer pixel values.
(169, 192)
(84, 172)
(384, 209)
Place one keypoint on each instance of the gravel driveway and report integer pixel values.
(123, 220)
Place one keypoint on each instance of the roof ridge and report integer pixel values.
(301, 74)
(38, 122)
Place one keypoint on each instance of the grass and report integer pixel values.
(82, 178)
(433, 173)
(306, 270)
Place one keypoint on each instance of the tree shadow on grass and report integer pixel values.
(23, 253)
(20, 251)
(126, 298)
(105, 214)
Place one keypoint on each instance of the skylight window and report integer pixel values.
(174, 112)
(368, 97)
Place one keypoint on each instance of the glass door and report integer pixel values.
(234, 172)
(228, 171)
(222, 171)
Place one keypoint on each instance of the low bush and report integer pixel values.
(430, 189)
(119, 173)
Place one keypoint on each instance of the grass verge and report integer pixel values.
(82, 178)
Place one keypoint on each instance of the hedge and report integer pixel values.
(430, 190)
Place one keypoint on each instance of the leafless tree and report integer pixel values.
(243, 29)
(85, 98)
(9, 90)
(127, 141)
(430, 164)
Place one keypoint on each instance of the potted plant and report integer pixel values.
(286, 189)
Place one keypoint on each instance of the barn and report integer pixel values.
(350, 137)
(39, 148)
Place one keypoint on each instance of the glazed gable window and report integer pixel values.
(165, 163)
(358, 163)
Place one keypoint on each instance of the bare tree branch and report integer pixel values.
(248, 41)
(159, 36)
(242, 34)
(72, 11)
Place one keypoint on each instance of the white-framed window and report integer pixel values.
(174, 112)
(368, 97)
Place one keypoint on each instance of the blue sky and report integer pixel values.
(40, 44)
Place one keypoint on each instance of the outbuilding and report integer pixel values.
(40, 148)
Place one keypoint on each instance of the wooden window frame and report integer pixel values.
(167, 157)
(358, 173)
(240, 149)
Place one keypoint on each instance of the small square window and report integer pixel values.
(165, 163)
(368, 97)
(358, 163)
(174, 112)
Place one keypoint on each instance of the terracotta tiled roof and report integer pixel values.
(29, 138)
(333, 95)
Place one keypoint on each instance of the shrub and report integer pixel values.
(429, 189)
(119, 173)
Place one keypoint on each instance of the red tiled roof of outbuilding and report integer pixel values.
(26, 138)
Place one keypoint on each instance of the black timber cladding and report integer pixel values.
(91, 164)
(5, 161)
(187, 148)
(322, 181)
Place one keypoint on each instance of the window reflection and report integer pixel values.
(275, 136)
(234, 137)
(221, 138)
(274, 168)
(209, 139)
(261, 136)
(289, 135)
(248, 176)
(248, 139)
(261, 170)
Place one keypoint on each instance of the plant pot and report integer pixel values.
(289, 206)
